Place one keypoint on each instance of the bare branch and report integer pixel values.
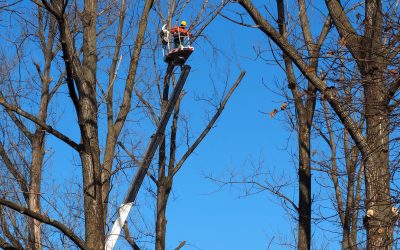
(241, 23)
(12, 237)
(148, 106)
(57, 86)
(46, 127)
(305, 26)
(20, 125)
(6, 6)
(274, 190)
(208, 128)
(136, 161)
(393, 88)
(5, 245)
(14, 171)
(324, 32)
(344, 27)
(45, 219)
(50, 8)
(334, 170)
(215, 14)
(311, 75)
(129, 238)
(126, 102)
(182, 244)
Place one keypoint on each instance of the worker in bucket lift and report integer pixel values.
(179, 34)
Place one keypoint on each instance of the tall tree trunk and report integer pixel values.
(91, 169)
(304, 228)
(162, 197)
(115, 127)
(377, 172)
(94, 226)
(368, 51)
(109, 155)
(376, 161)
(38, 143)
(347, 239)
(304, 114)
(356, 209)
(88, 111)
(161, 220)
(35, 231)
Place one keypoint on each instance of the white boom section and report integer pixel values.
(112, 237)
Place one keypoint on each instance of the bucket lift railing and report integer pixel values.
(184, 44)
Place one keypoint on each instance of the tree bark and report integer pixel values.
(35, 232)
(304, 228)
(304, 116)
(161, 220)
(115, 127)
(38, 138)
(87, 118)
(377, 171)
(162, 196)
(368, 52)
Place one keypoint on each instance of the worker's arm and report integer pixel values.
(174, 29)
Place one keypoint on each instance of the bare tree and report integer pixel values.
(304, 106)
(81, 69)
(30, 185)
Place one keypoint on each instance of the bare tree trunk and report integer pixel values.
(368, 51)
(115, 127)
(304, 228)
(356, 209)
(35, 232)
(165, 181)
(162, 196)
(87, 117)
(347, 238)
(377, 172)
(112, 134)
(304, 116)
(38, 138)
(94, 222)
(161, 220)
(349, 217)
(90, 157)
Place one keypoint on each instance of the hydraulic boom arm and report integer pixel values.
(136, 183)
